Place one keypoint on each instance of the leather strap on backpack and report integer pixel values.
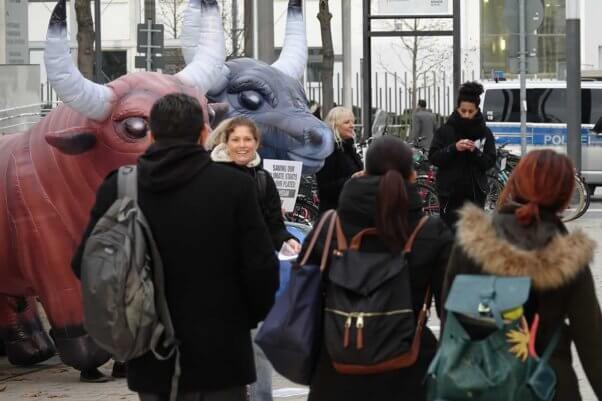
(330, 216)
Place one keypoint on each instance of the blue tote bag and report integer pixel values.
(290, 334)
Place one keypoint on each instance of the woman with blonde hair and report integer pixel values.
(342, 163)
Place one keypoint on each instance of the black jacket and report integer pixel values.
(338, 168)
(462, 172)
(427, 261)
(269, 202)
(221, 272)
(563, 291)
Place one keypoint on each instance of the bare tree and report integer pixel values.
(420, 55)
(85, 38)
(324, 16)
(171, 13)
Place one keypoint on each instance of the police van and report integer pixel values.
(546, 119)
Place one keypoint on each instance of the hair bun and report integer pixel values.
(473, 89)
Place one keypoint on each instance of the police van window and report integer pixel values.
(496, 106)
(552, 106)
(596, 106)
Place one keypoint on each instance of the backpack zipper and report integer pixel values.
(359, 323)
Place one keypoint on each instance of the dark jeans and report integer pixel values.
(229, 394)
(449, 206)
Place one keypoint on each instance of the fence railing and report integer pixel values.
(393, 93)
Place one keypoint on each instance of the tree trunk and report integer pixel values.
(248, 28)
(415, 51)
(324, 16)
(85, 38)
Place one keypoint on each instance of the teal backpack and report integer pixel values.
(500, 363)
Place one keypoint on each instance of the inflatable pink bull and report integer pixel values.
(49, 176)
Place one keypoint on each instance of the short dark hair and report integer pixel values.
(470, 92)
(422, 103)
(176, 117)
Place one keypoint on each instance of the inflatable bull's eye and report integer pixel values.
(250, 100)
(135, 127)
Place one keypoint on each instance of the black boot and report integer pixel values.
(119, 370)
(93, 376)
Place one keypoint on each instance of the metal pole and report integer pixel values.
(97, 43)
(367, 72)
(573, 82)
(149, 51)
(265, 30)
(523, 77)
(457, 46)
(347, 61)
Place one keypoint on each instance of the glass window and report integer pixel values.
(500, 39)
(497, 105)
(552, 106)
(596, 105)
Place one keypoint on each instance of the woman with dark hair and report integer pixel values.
(525, 237)
(463, 149)
(385, 198)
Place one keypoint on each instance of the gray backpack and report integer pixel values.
(125, 310)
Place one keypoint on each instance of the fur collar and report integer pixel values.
(220, 154)
(551, 266)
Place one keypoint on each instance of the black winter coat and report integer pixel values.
(427, 261)
(462, 173)
(562, 288)
(269, 202)
(221, 272)
(338, 168)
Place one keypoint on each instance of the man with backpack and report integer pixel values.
(219, 271)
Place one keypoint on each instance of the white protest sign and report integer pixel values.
(287, 176)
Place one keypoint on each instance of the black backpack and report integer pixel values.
(369, 322)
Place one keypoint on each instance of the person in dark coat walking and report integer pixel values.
(221, 273)
(238, 140)
(525, 237)
(342, 163)
(463, 149)
(386, 198)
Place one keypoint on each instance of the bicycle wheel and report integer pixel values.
(493, 194)
(579, 202)
(430, 200)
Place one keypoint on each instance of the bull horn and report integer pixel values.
(293, 58)
(86, 97)
(191, 26)
(210, 52)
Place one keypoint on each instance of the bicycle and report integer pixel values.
(425, 178)
(499, 175)
(306, 210)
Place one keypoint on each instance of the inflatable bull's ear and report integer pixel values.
(86, 97)
(71, 143)
(217, 113)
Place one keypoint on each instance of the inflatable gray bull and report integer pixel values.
(271, 95)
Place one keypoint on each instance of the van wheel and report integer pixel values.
(591, 188)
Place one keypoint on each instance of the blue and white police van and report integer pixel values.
(546, 119)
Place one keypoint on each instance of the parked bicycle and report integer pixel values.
(498, 177)
(425, 179)
(306, 209)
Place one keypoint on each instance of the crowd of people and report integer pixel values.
(215, 214)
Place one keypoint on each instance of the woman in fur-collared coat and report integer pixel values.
(525, 237)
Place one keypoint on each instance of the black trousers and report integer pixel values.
(229, 394)
(449, 206)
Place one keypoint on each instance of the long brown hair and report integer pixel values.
(391, 158)
(542, 179)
